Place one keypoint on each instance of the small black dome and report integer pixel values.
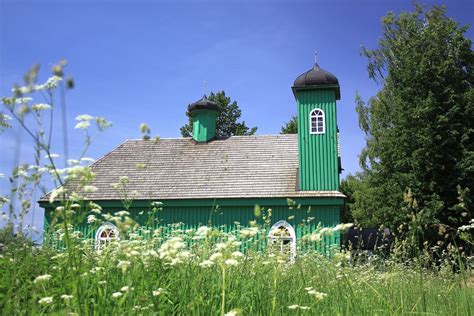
(203, 104)
(317, 77)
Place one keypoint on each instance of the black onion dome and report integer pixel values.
(203, 104)
(317, 77)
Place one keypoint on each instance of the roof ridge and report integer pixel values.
(218, 138)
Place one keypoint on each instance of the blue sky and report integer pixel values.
(145, 61)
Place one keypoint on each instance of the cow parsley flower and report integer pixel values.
(318, 295)
(215, 256)
(66, 297)
(46, 300)
(91, 219)
(123, 265)
(90, 188)
(117, 294)
(237, 254)
(206, 264)
(125, 289)
(23, 100)
(41, 107)
(52, 82)
(231, 262)
(42, 278)
(82, 125)
(157, 292)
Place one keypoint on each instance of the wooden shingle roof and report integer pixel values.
(178, 168)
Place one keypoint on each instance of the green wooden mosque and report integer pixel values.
(206, 180)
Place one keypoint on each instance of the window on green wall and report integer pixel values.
(282, 239)
(317, 122)
(105, 234)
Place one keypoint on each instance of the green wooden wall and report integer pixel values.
(204, 125)
(318, 157)
(227, 217)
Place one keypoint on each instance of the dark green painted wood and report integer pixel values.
(204, 125)
(318, 157)
(220, 202)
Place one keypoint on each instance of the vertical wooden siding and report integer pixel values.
(318, 160)
(226, 218)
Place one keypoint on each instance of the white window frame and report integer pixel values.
(317, 114)
(101, 241)
(292, 238)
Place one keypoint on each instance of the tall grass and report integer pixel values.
(171, 276)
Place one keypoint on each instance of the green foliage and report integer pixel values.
(227, 121)
(290, 127)
(419, 127)
(203, 272)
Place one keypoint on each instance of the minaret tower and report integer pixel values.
(204, 114)
(316, 92)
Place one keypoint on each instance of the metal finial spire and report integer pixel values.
(204, 85)
(316, 59)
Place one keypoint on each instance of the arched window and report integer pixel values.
(317, 122)
(105, 234)
(282, 238)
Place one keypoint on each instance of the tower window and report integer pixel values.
(317, 122)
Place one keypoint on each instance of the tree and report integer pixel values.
(290, 127)
(227, 121)
(419, 154)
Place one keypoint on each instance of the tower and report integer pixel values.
(204, 115)
(316, 92)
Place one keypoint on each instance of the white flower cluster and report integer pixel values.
(42, 278)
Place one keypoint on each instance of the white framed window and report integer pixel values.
(105, 234)
(282, 238)
(317, 122)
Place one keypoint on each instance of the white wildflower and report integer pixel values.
(52, 156)
(82, 125)
(91, 219)
(237, 254)
(206, 264)
(249, 232)
(46, 300)
(52, 82)
(122, 213)
(232, 313)
(66, 297)
(231, 262)
(22, 90)
(157, 292)
(84, 117)
(23, 100)
(117, 294)
(215, 256)
(293, 306)
(304, 307)
(220, 246)
(125, 289)
(41, 107)
(90, 188)
(318, 295)
(87, 160)
(123, 265)
(42, 278)
(102, 282)
(72, 162)
(5, 117)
